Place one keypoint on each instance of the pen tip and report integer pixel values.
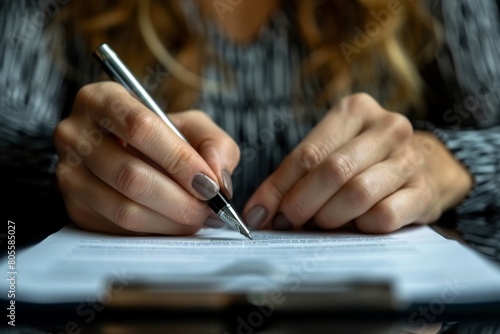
(231, 217)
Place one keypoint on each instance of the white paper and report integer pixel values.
(73, 265)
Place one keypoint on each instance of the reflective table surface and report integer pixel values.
(481, 232)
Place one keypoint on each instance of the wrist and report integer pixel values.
(452, 180)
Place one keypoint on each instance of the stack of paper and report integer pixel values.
(420, 265)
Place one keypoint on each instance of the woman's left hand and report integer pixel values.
(361, 164)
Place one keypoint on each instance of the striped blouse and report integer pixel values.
(259, 115)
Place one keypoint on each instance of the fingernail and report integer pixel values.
(281, 223)
(205, 186)
(213, 221)
(227, 183)
(255, 217)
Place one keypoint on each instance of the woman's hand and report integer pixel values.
(123, 170)
(361, 164)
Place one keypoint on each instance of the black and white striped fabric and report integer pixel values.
(258, 110)
(482, 232)
(32, 90)
(30, 100)
(472, 31)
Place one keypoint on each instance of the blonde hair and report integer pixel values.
(404, 38)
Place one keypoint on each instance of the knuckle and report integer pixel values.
(236, 155)
(295, 210)
(86, 98)
(60, 134)
(233, 147)
(192, 113)
(132, 180)
(429, 199)
(399, 125)
(139, 126)
(413, 159)
(64, 135)
(362, 192)
(222, 145)
(177, 162)
(362, 97)
(199, 114)
(386, 218)
(184, 118)
(130, 218)
(338, 169)
(359, 102)
(407, 165)
(275, 189)
(192, 213)
(323, 220)
(113, 88)
(91, 98)
(85, 94)
(308, 156)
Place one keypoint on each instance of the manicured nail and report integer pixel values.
(213, 221)
(227, 183)
(255, 217)
(205, 186)
(281, 223)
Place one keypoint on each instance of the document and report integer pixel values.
(419, 264)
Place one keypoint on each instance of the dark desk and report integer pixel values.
(480, 232)
(241, 320)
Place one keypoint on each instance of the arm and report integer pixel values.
(123, 170)
(32, 96)
(361, 164)
(479, 151)
(450, 179)
(469, 125)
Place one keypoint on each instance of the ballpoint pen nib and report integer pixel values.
(246, 234)
(244, 231)
(230, 217)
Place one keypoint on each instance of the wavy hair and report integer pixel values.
(348, 43)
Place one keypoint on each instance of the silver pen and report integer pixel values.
(117, 70)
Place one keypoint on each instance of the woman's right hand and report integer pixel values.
(123, 170)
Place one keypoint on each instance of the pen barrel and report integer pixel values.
(119, 72)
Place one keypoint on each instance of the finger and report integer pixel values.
(77, 189)
(213, 144)
(347, 119)
(88, 219)
(325, 138)
(128, 119)
(99, 207)
(402, 208)
(361, 193)
(139, 182)
(320, 184)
